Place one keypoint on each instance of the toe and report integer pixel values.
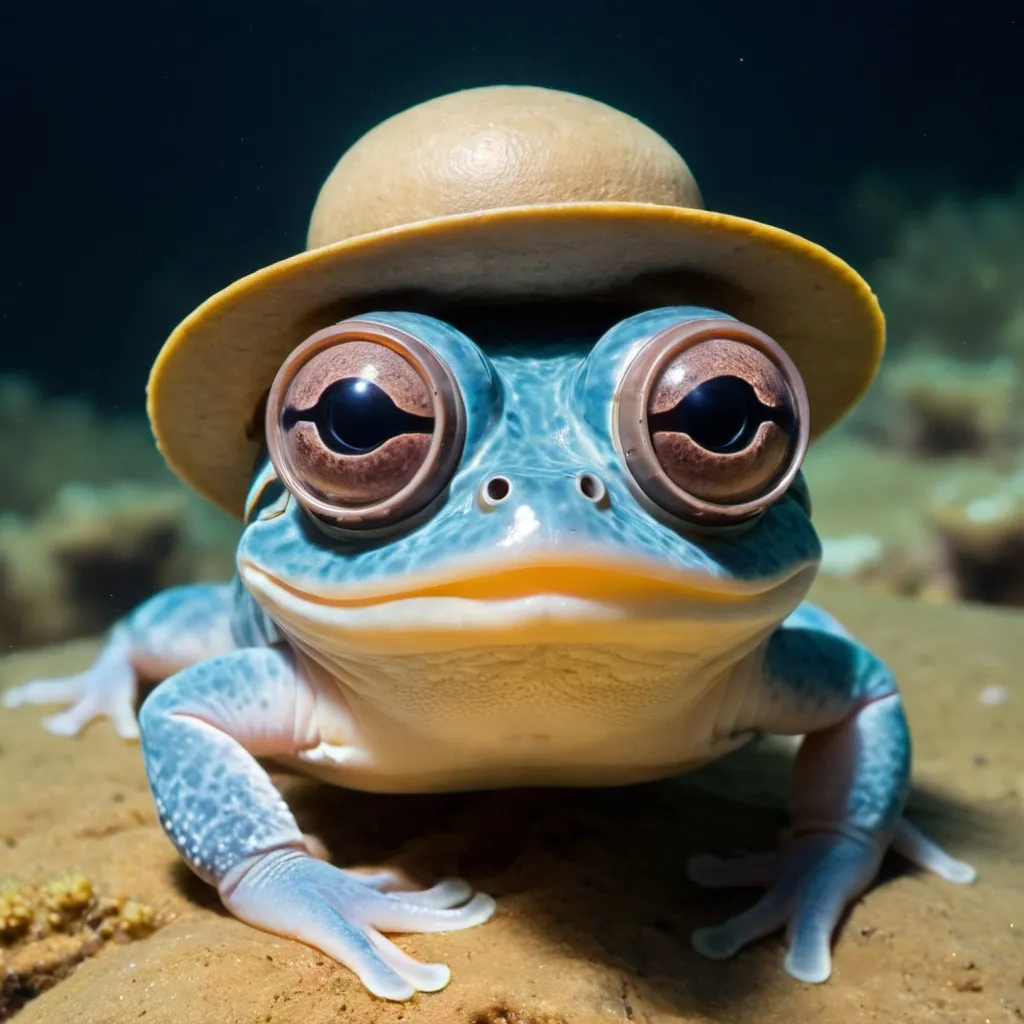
(423, 977)
(126, 723)
(764, 917)
(922, 851)
(810, 960)
(382, 879)
(72, 721)
(41, 691)
(339, 939)
(809, 957)
(392, 913)
(445, 895)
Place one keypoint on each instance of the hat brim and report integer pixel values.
(209, 381)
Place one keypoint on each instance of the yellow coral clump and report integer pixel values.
(65, 896)
(46, 930)
(137, 919)
(16, 911)
(68, 904)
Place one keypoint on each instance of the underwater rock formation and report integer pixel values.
(91, 521)
(937, 529)
(937, 406)
(980, 524)
(952, 288)
(868, 560)
(88, 556)
(931, 506)
(47, 442)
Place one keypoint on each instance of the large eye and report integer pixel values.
(712, 420)
(365, 424)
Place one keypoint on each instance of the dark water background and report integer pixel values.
(152, 152)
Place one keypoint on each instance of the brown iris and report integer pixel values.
(712, 420)
(364, 424)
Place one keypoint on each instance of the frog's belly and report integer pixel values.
(549, 714)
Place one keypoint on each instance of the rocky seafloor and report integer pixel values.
(594, 906)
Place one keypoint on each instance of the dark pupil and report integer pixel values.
(721, 415)
(353, 416)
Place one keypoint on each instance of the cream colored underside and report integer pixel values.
(505, 716)
(437, 693)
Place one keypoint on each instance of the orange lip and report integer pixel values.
(588, 579)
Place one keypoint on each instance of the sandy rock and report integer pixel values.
(980, 524)
(940, 530)
(937, 406)
(595, 909)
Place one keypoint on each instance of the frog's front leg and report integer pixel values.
(850, 782)
(175, 628)
(172, 630)
(202, 731)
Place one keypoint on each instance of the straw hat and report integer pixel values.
(492, 194)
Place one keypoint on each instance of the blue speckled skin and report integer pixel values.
(538, 414)
(538, 419)
(205, 792)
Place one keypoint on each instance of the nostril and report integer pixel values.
(592, 488)
(495, 491)
(498, 488)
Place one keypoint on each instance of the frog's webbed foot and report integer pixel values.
(202, 731)
(850, 781)
(106, 689)
(809, 885)
(290, 893)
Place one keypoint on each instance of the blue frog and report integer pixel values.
(536, 540)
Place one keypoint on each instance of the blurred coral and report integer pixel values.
(954, 281)
(45, 442)
(980, 525)
(886, 566)
(86, 558)
(939, 490)
(935, 529)
(952, 289)
(940, 406)
(91, 521)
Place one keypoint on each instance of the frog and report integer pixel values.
(538, 539)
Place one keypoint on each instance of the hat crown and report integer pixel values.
(494, 147)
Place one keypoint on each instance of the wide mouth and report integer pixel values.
(542, 602)
(597, 580)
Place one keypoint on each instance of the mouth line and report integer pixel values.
(604, 581)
